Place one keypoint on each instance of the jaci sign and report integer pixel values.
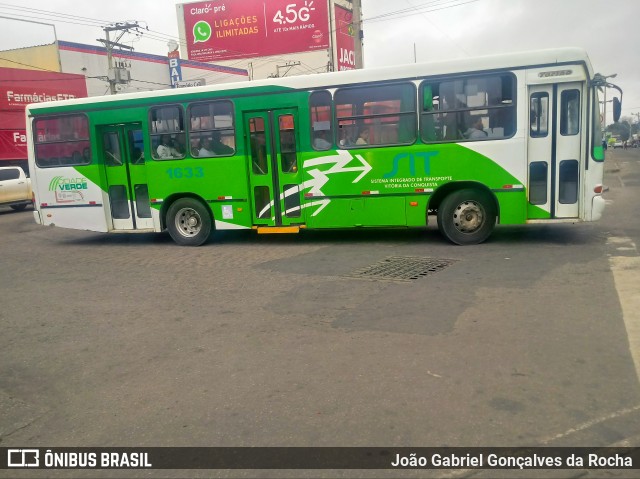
(345, 39)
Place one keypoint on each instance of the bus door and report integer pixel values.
(121, 148)
(555, 155)
(273, 147)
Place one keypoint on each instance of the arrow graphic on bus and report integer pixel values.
(340, 160)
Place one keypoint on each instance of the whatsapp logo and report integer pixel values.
(201, 32)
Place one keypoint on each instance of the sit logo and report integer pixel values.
(411, 159)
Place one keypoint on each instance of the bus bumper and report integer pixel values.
(597, 208)
(36, 217)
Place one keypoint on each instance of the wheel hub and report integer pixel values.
(188, 222)
(468, 217)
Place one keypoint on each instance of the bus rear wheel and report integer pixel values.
(467, 217)
(189, 222)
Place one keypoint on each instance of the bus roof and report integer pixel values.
(518, 60)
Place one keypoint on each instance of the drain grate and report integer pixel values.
(401, 268)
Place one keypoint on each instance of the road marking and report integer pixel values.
(588, 424)
(626, 277)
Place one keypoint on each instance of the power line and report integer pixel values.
(427, 8)
(27, 65)
(49, 14)
(422, 14)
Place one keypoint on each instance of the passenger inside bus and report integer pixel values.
(166, 149)
(321, 140)
(363, 137)
(213, 146)
(476, 132)
(347, 136)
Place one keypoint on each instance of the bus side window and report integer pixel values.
(167, 132)
(59, 141)
(378, 115)
(212, 130)
(468, 109)
(321, 124)
(430, 103)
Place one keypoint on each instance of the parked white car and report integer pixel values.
(15, 187)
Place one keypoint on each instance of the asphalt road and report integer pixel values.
(129, 340)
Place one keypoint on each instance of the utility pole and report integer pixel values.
(637, 115)
(288, 66)
(115, 75)
(357, 24)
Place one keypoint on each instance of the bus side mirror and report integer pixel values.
(617, 108)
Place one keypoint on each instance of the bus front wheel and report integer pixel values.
(466, 217)
(189, 222)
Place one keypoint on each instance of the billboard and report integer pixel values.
(345, 43)
(20, 87)
(233, 29)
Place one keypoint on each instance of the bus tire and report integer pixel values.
(467, 217)
(189, 222)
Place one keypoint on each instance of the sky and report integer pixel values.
(422, 30)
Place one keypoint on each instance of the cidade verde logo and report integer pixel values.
(60, 183)
(201, 32)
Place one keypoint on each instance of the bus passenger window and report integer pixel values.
(387, 113)
(167, 133)
(468, 109)
(212, 129)
(59, 140)
(321, 120)
(430, 102)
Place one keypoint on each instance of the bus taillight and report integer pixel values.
(598, 189)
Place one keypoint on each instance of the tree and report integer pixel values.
(623, 128)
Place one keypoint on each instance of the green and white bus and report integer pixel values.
(512, 139)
